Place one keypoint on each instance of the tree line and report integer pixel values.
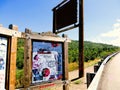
(91, 50)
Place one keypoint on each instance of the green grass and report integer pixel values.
(74, 66)
(19, 78)
(77, 81)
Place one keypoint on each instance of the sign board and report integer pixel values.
(3, 60)
(65, 14)
(47, 61)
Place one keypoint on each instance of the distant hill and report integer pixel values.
(91, 50)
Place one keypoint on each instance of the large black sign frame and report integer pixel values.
(80, 25)
(65, 14)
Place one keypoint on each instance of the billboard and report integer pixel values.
(66, 14)
(47, 61)
(3, 57)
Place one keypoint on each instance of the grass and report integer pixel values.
(77, 81)
(19, 78)
(74, 65)
(91, 63)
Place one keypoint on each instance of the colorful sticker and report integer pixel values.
(46, 61)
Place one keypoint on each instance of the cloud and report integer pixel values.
(118, 20)
(115, 32)
(110, 37)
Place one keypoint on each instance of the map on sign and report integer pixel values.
(46, 61)
(3, 57)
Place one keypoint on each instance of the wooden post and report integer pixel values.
(65, 86)
(81, 39)
(27, 60)
(12, 62)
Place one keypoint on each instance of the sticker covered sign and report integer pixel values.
(46, 61)
(3, 57)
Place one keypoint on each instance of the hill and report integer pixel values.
(91, 50)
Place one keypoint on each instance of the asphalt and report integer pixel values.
(110, 79)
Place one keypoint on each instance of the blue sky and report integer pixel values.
(101, 18)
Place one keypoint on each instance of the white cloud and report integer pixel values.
(111, 37)
(116, 25)
(118, 20)
(115, 32)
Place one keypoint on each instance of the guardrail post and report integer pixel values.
(96, 67)
(90, 77)
(99, 63)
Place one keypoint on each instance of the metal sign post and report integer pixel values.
(60, 22)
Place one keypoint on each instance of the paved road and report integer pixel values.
(110, 79)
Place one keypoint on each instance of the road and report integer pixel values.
(110, 79)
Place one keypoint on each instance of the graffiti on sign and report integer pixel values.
(3, 55)
(46, 61)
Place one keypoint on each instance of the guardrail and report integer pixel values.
(94, 84)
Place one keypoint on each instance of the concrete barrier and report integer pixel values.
(95, 81)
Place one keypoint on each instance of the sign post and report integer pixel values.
(81, 39)
(61, 20)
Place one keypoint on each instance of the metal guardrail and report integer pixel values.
(96, 79)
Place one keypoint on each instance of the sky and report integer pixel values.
(101, 18)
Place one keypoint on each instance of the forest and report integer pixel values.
(92, 51)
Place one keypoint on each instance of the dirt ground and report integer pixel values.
(81, 83)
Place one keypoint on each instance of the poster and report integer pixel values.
(3, 55)
(46, 61)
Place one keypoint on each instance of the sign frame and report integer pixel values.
(47, 43)
(61, 19)
(45, 37)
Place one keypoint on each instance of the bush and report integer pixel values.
(19, 78)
